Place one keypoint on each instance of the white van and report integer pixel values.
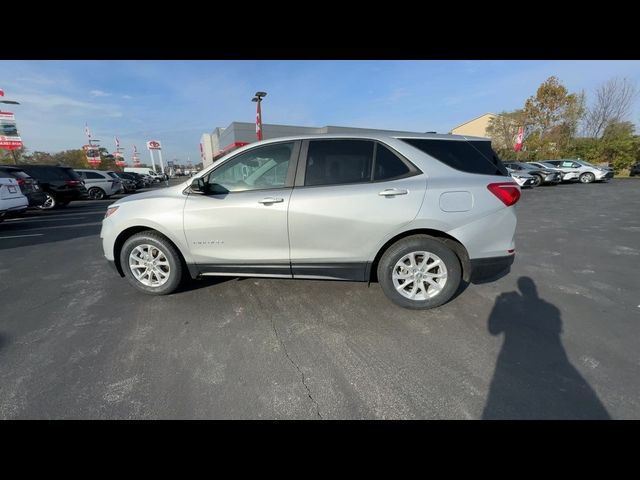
(145, 171)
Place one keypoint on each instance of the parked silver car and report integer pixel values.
(523, 179)
(420, 214)
(100, 184)
(588, 173)
(567, 175)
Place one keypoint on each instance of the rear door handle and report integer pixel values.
(392, 192)
(267, 200)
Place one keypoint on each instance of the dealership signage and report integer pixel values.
(92, 153)
(154, 145)
(9, 137)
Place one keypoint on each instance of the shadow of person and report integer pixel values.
(533, 378)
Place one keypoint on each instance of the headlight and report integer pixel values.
(110, 211)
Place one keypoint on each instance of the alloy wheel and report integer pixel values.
(149, 265)
(419, 275)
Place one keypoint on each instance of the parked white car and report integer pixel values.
(567, 175)
(12, 201)
(589, 173)
(100, 184)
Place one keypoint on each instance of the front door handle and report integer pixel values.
(392, 192)
(268, 200)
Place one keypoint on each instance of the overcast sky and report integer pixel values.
(176, 101)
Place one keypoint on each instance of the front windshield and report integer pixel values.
(587, 163)
(528, 167)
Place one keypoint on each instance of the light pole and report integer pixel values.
(258, 99)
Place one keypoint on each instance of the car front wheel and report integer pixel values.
(419, 272)
(587, 177)
(151, 263)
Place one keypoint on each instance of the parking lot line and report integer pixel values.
(20, 236)
(38, 219)
(92, 224)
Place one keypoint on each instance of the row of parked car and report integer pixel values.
(48, 186)
(552, 172)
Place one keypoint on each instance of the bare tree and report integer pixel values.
(613, 103)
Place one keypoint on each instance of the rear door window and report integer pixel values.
(468, 156)
(388, 165)
(338, 162)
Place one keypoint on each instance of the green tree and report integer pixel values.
(75, 158)
(13, 157)
(503, 130)
(619, 147)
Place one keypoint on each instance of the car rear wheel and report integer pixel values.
(49, 202)
(151, 263)
(587, 177)
(96, 193)
(419, 272)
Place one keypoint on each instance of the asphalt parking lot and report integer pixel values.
(556, 338)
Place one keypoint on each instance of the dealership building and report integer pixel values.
(222, 140)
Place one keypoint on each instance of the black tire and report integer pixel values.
(418, 243)
(50, 202)
(538, 180)
(176, 271)
(587, 177)
(96, 193)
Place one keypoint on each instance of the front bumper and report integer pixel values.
(485, 269)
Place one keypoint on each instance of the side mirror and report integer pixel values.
(199, 185)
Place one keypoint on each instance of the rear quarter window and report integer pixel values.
(468, 156)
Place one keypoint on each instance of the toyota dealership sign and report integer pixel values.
(154, 145)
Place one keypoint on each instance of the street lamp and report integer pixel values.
(258, 99)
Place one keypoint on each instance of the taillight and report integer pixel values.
(507, 192)
(72, 183)
(21, 181)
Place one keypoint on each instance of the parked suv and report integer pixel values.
(635, 170)
(100, 184)
(28, 185)
(61, 185)
(12, 201)
(419, 213)
(588, 173)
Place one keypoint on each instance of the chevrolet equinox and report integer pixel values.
(418, 213)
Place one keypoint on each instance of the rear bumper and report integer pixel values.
(484, 269)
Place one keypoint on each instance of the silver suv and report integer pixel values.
(420, 214)
(100, 184)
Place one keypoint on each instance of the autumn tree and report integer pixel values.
(552, 115)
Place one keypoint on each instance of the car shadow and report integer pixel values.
(191, 284)
(533, 377)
